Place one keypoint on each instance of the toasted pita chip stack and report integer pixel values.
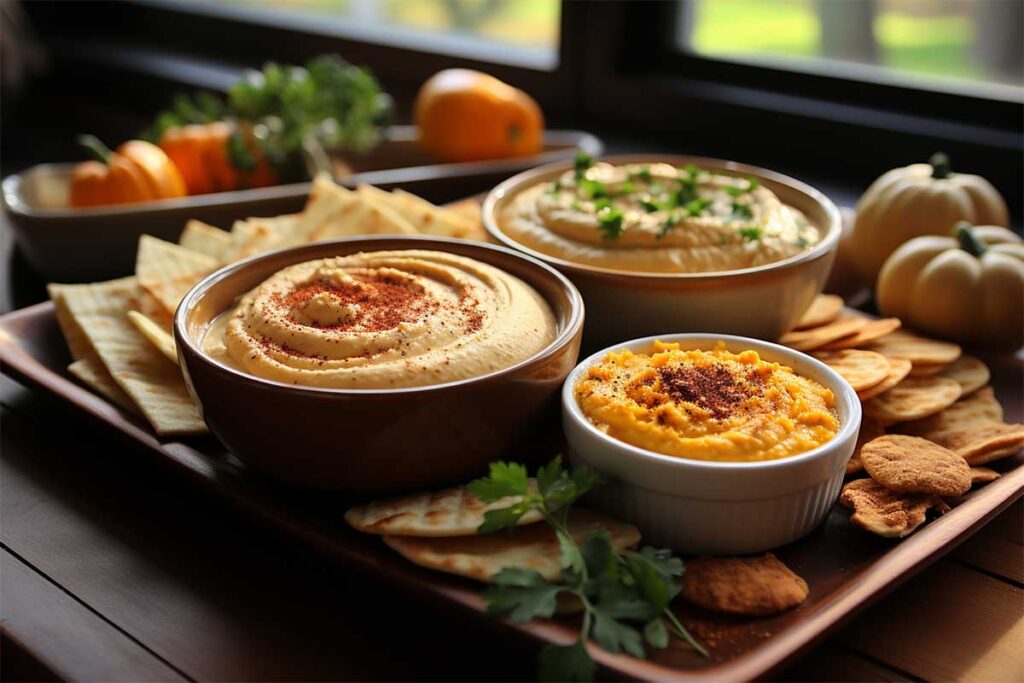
(153, 383)
(92, 374)
(168, 271)
(204, 238)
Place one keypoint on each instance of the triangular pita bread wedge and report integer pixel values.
(252, 237)
(154, 384)
(426, 218)
(204, 238)
(325, 199)
(76, 340)
(92, 374)
(362, 217)
(452, 512)
(533, 546)
(168, 271)
(156, 335)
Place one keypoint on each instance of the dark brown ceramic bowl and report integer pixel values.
(376, 440)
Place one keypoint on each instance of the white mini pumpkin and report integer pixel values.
(920, 199)
(969, 287)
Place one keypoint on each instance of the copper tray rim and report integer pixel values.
(906, 558)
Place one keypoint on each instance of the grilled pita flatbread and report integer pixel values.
(452, 512)
(204, 238)
(529, 547)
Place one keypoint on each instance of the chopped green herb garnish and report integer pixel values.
(741, 212)
(697, 206)
(592, 189)
(656, 188)
(734, 191)
(751, 233)
(739, 190)
(667, 225)
(610, 221)
(582, 163)
(626, 188)
(801, 241)
(650, 206)
(644, 174)
(625, 594)
(692, 171)
(753, 184)
(555, 187)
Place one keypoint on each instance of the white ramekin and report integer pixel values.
(717, 508)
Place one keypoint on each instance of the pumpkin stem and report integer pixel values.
(940, 165)
(969, 242)
(95, 147)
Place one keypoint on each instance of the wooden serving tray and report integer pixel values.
(845, 567)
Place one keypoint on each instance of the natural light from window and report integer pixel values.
(930, 41)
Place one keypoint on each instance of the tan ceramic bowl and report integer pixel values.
(762, 302)
(376, 440)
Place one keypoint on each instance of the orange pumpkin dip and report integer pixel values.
(707, 405)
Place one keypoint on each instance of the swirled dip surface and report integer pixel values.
(707, 405)
(656, 218)
(383, 320)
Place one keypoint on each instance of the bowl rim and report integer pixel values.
(843, 391)
(526, 179)
(572, 328)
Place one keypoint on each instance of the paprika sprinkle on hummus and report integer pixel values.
(707, 405)
(383, 320)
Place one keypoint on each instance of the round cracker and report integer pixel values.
(884, 512)
(969, 372)
(927, 370)
(870, 429)
(743, 585)
(874, 329)
(534, 546)
(977, 410)
(913, 399)
(915, 348)
(824, 309)
(861, 369)
(452, 512)
(985, 444)
(899, 368)
(909, 464)
(808, 340)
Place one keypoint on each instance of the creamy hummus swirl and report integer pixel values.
(657, 218)
(383, 320)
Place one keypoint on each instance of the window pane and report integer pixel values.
(516, 31)
(938, 43)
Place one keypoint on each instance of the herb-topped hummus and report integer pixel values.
(381, 320)
(656, 218)
(707, 405)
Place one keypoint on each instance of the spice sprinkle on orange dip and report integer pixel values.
(707, 405)
(381, 320)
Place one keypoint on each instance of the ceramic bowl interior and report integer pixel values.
(818, 209)
(848, 406)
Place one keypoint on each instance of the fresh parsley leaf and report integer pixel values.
(666, 225)
(615, 636)
(599, 555)
(521, 594)
(566, 663)
(503, 518)
(592, 189)
(610, 222)
(653, 579)
(753, 184)
(569, 553)
(549, 474)
(692, 171)
(656, 634)
(582, 162)
(751, 233)
(504, 479)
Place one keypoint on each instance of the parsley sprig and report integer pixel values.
(624, 593)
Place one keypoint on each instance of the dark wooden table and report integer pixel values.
(110, 570)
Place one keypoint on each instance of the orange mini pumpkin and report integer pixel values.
(202, 153)
(137, 172)
(466, 115)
